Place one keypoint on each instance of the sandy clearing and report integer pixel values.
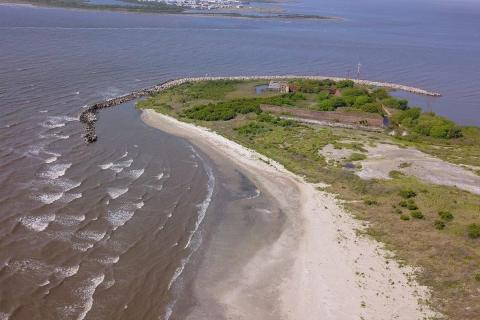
(384, 158)
(328, 271)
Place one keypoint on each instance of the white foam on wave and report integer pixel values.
(54, 136)
(83, 246)
(159, 176)
(86, 293)
(117, 167)
(43, 111)
(56, 171)
(114, 193)
(139, 205)
(119, 217)
(108, 260)
(49, 198)
(202, 210)
(53, 122)
(64, 184)
(68, 220)
(203, 207)
(124, 155)
(37, 223)
(106, 166)
(69, 197)
(135, 174)
(66, 272)
(51, 159)
(91, 235)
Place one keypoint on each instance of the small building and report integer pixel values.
(280, 86)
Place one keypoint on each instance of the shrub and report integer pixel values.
(372, 108)
(477, 276)
(326, 105)
(445, 215)
(473, 231)
(252, 129)
(323, 95)
(357, 157)
(439, 224)
(404, 217)
(417, 214)
(345, 84)
(395, 174)
(361, 100)
(370, 202)
(380, 93)
(412, 206)
(403, 203)
(407, 193)
(405, 165)
(398, 211)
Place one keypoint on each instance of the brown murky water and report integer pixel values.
(112, 230)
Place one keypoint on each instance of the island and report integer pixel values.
(410, 178)
(220, 8)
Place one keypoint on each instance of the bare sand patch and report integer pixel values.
(318, 268)
(384, 158)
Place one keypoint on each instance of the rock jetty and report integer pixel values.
(89, 115)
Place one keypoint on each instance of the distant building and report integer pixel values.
(281, 86)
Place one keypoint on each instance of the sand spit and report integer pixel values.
(318, 268)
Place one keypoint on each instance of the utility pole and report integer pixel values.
(359, 66)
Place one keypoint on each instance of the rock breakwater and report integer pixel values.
(89, 115)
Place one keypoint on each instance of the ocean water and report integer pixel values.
(105, 231)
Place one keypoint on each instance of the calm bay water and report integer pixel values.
(104, 230)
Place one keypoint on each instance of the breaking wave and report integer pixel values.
(37, 223)
(114, 193)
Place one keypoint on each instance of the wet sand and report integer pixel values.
(292, 253)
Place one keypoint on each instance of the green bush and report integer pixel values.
(417, 214)
(380, 93)
(473, 231)
(403, 204)
(326, 105)
(477, 276)
(445, 215)
(439, 224)
(412, 206)
(345, 84)
(252, 129)
(407, 193)
(370, 202)
(392, 102)
(404, 217)
(357, 157)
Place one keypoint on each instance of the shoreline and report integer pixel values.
(326, 268)
(88, 116)
(185, 12)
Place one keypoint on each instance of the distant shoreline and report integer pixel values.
(170, 10)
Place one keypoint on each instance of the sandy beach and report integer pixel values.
(315, 267)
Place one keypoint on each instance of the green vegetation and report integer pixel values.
(421, 230)
(404, 217)
(417, 214)
(446, 215)
(439, 224)
(427, 124)
(137, 6)
(407, 194)
(473, 230)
